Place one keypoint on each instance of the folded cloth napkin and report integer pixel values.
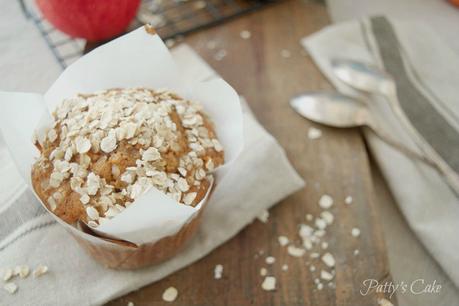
(427, 74)
(29, 236)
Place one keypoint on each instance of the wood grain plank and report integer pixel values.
(336, 164)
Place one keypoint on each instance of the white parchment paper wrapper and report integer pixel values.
(137, 59)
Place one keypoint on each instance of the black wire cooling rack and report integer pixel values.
(171, 18)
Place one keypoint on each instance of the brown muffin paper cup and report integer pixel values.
(125, 255)
(119, 254)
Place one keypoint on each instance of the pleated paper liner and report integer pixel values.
(119, 254)
(125, 255)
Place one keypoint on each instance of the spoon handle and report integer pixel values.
(402, 148)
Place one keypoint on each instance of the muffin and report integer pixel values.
(107, 149)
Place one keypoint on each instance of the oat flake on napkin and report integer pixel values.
(29, 236)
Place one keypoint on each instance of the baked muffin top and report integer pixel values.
(108, 148)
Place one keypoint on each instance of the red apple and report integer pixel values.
(92, 20)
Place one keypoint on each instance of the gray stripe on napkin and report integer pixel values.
(24, 209)
(432, 96)
(26, 232)
(435, 129)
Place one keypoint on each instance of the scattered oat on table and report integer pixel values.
(305, 231)
(170, 294)
(11, 288)
(283, 241)
(356, 252)
(325, 201)
(245, 34)
(218, 271)
(329, 260)
(325, 275)
(320, 223)
(308, 236)
(314, 133)
(295, 252)
(269, 283)
(327, 217)
(285, 53)
(170, 42)
(130, 304)
(313, 236)
(355, 232)
(270, 260)
(263, 216)
(319, 233)
(40, 270)
(307, 244)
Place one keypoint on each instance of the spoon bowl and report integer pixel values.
(337, 110)
(362, 76)
(333, 109)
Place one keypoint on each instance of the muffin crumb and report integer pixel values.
(269, 283)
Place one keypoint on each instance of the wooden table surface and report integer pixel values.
(335, 164)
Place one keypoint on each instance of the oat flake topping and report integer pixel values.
(90, 150)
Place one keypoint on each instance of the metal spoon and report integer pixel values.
(362, 76)
(372, 80)
(337, 110)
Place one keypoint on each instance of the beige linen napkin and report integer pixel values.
(427, 74)
(260, 177)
